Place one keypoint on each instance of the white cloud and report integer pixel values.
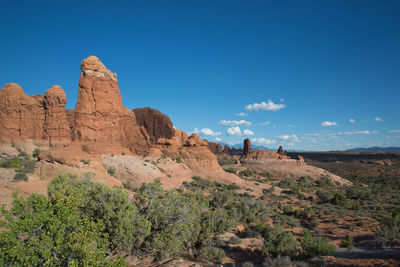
(248, 132)
(328, 123)
(352, 121)
(378, 119)
(282, 100)
(264, 106)
(394, 131)
(312, 134)
(241, 114)
(289, 144)
(365, 132)
(263, 141)
(286, 137)
(234, 123)
(207, 131)
(234, 131)
(265, 123)
(218, 139)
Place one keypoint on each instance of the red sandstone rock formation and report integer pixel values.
(21, 116)
(100, 116)
(226, 150)
(198, 156)
(99, 123)
(215, 148)
(56, 126)
(157, 124)
(280, 151)
(246, 146)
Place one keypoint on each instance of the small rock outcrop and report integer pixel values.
(157, 124)
(246, 146)
(280, 151)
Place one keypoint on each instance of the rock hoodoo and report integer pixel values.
(56, 126)
(246, 146)
(280, 151)
(100, 116)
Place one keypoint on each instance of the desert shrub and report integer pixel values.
(231, 170)
(125, 227)
(340, 199)
(277, 241)
(85, 161)
(389, 231)
(127, 185)
(51, 232)
(89, 175)
(348, 243)
(280, 261)
(325, 182)
(179, 159)
(247, 172)
(111, 171)
(287, 183)
(12, 163)
(314, 246)
(325, 196)
(212, 253)
(20, 176)
(36, 152)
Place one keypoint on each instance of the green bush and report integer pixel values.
(12, 163)
(340, 200)
(287, 183)
(315, 246)
(247, 172)
(36, 152)
(51, 232)
(125, 227)
(277, 241)
(231, 170)
(85, 161)
(179, 159)
(111, 171)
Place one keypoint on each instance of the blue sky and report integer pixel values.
(315, 64)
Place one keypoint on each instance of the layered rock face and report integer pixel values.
(56, 126)
(215, 148)
(99, 123)
(99, 114)
(21, 116)
(157, 124)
